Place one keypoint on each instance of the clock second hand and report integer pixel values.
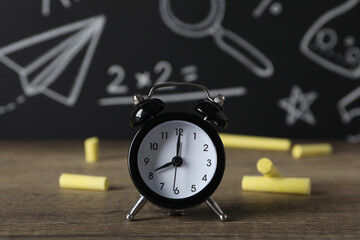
(175, 177)
(176, 161)
(177, 155)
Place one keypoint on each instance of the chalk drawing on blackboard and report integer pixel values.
(322, 50)
(189, 73)
(143, 80)
(297, 106)
(49, 66)
(349, 41)
(161, 73)
(163, 68)
(176, 97)
(346, 114)
(45, 6)
(275, 8)
(211, 26)
(11, 106)
(116, 87)
(352, 55)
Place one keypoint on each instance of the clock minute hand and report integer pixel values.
(178, 145)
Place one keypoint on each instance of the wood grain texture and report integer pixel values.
(32, 205)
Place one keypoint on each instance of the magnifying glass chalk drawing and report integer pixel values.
(211, 26)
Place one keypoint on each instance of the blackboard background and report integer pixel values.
(136, 38)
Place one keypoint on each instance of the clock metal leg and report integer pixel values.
(138, 206)
(215, 207)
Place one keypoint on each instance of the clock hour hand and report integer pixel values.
(165, 166)
(175, 161)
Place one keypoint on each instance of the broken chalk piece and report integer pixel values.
(253, 142)
(76, 181)
(91, 149)
(266, 167)
(310, 150)
(278, 185)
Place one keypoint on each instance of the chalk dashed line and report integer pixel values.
(11, 106)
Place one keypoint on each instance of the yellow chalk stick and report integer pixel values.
(91, 149)
(278, 185)
(267, 168)
(252, 142)
(86, 182)
(309, 150)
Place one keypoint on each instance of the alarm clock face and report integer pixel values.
(177, 160)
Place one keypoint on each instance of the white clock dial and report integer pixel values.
(184, 178)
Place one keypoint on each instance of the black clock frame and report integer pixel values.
(184, 203)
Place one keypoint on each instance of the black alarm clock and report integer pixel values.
(177, 159)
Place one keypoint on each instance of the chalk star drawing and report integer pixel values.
(297, 106)
(49, 66)
(143, 80)
(45, 6)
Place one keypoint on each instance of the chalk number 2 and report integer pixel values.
(115, 86)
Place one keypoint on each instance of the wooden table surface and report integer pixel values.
(33, 205)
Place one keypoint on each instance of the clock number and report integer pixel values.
(206, 148)
(146, 160)
(204, 178)
(176, 191)
(208, 163)
(194, 136)
(193, 188)
(154, 146)
(162, 185)
(179, 130)
(151, 175)
(164, 135)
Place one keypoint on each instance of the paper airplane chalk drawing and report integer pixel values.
(297, 106)
(11, 106)
(45, 6)
(38, 76)
(322, 45)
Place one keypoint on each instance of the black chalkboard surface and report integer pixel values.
(68, 68)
